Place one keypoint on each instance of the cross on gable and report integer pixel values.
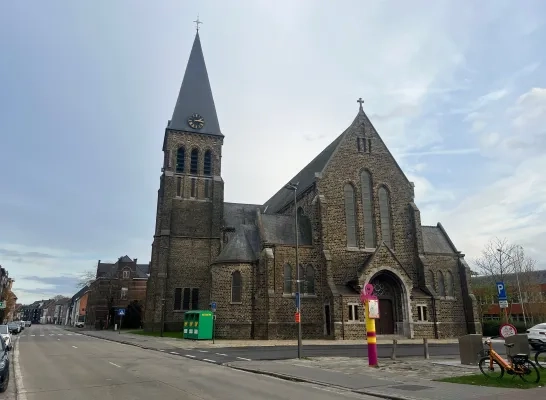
(197, 22)
(360, 101)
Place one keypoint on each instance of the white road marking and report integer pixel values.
(207, 360)
(68, 334)
(51, 334)
(74, 347)
(189, 355)
(161, 350)
(173, 352)
(59, 339)
(203, 351)
(21, 395)
(221, 354)
(115, 365)
(42, 335)
(32, 335)
(242, 358)
(59, 334)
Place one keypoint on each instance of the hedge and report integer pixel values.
(492, 328)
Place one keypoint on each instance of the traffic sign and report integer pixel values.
(121, 312)
(298, 301)
(213, 306)
(297, 317)
(503, 303)
(508, 330)
(501, 291)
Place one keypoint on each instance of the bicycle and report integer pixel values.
(541, 351)
(519, 364)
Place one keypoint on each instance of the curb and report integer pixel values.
(112, 340)
(302, 380)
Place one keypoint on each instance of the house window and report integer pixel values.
(350, 215)
(287, 288)
(353, 312)
(236, 287)
(207, 163)
(422, 313)
(367, 209)
(193, 187)
(167, 160)
(186, 299)
(369, 145)
(194, 159)
(177, 299)
(126, 274)
(195, 299)
(385, 213)
(441, 284)
(207, 188)
(449, 284)
(431, 279)
(124, 293)
(180, 161)
(179, 187)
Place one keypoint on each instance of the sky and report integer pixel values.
(456, 90)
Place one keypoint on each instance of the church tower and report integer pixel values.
(189, 205)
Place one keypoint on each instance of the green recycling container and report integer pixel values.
(198, 325)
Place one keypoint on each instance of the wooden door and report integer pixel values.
(385, 324)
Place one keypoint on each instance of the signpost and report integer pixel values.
(371, 313)
(121, 313)
(507, 330)
(503, 298)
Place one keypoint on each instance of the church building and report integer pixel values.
(357, 224)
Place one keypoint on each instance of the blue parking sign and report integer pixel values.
(121, 312)
(501, 291)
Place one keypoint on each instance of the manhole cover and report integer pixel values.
(412, 388)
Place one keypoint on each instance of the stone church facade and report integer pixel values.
(357, 224)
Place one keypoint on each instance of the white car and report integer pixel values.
(537, 336)
(4, 332)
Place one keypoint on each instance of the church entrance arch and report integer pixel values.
(389, 291)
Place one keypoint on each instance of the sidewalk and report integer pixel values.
(400, 388)
(155, 342)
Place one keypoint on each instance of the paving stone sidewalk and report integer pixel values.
(408, 380)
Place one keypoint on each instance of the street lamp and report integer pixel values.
(517, 280)
(294, 186)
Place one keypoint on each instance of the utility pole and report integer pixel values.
(294, 187)
(517, 280)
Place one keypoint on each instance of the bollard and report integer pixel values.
(425, 344)
(393, 354)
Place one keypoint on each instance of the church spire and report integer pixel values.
(194, 110)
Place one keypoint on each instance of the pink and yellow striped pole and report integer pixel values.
(371, 312)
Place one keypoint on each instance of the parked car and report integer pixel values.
(79, 324)
(28, 323)
(14, 327)
(21, 324)
(4, 365)
(5, 335)
(537, 336)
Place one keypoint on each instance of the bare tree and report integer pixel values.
(59, 297)
(497, 259)
(86, 278)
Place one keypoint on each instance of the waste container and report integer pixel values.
(198, 325)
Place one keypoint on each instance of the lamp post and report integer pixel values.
(294, 186)
(517, 280)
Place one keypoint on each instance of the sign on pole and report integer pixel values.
(501, 291)
(507, 330)
(213, 306)
(121, 312)
(503, 303)
(297, 300)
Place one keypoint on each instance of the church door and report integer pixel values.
(385, 324)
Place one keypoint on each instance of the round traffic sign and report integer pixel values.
(508, 330)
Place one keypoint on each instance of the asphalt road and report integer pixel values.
(53, 364)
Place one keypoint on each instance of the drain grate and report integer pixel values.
(412, 388)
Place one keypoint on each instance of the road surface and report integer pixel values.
(54, 364)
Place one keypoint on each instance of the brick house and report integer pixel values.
(116, 285)
(532, 302)
(358, 224)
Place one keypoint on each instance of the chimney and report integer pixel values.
(136, 259)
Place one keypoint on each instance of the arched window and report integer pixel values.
(309, 280)
(193, 161)
(180, 159)
(431, 279)
(236, 287)
(441, 284)
(287, 288)
(350, 215)
(367, 209)
(449, 284)
(385, 213)
(207, 163)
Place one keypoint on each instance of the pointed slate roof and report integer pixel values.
(306, 177)
(243, 247)
(195, 95)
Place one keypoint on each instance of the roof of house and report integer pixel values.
(435, 240)
(195, 96)
(109, 270)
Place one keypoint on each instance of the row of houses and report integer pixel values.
(9, 309)
(115, 285)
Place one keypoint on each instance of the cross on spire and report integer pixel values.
(360, 101)
(197, 22)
